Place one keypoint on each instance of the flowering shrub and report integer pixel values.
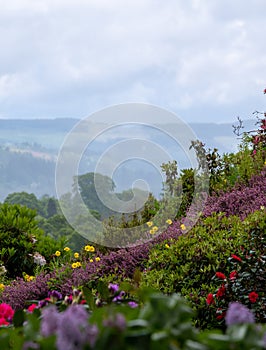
(241, 200)
(245, 284)
(187, 265)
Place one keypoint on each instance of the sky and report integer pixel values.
(204, 60)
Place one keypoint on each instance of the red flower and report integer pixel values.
(264, 91)
(253, 296)
(233, 275)
(32, 307)
(6, 312)
(210, 299)
(3, 322)
(236, 257)
(220, 314)
(221, 291)
(220, 275)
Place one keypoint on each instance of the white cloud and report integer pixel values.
(84, 55)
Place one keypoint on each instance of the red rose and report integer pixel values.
(236, 257)
(220, 275)
(233, 275)
(253, 296)
(210, 299)
(221, 291)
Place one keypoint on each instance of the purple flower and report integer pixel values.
(132, 304)
(113, 288)
(30, 345)
(116, 321)
(119, 296)
(54, 295)
(74, 330)
(238, 313)
(49, 322)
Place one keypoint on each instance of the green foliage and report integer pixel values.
(85, 184)
(28, 200)
(188, 265)
(18, 231)
(162, 322)
(247, 279)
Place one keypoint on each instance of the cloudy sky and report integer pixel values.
(205, 60)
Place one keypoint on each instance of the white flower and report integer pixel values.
(3, 270)
(39, 259)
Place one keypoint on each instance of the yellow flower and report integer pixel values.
(91, 260)
(57, 253)
(89, 248)
(74, 265)
(183, 227)
(97, 259)
(66, 249)
(78, 263)
(2, 287)
(153, 230)
(76, 255)
(167, 246)
(149, 223)
(169, 221)
(28, 278)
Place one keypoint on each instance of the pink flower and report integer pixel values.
(6, 312)
(220, 275)
(253, 296)
(32, 307)
(3, 322)
(256, 139)
(263, 124)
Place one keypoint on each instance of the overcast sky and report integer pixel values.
(205, 60)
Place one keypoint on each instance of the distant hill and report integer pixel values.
(28, 151)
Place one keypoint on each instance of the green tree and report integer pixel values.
(25, 199)
(85, 184)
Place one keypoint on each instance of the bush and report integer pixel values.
(18, 232)
(188, 264)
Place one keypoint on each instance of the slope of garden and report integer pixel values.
(163, 294)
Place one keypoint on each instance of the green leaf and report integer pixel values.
(18, 318)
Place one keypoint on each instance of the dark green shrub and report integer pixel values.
(18, 234)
